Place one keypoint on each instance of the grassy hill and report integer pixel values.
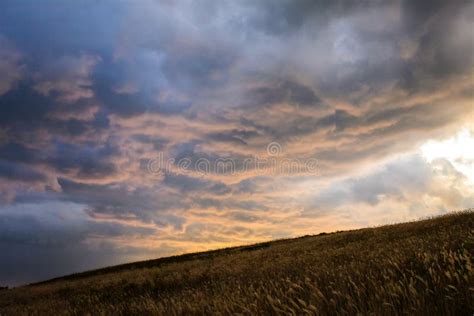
(416, 268)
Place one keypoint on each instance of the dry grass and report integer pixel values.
(417, 268)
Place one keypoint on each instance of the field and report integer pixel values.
(417, 268)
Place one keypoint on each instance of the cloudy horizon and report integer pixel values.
(115, 115)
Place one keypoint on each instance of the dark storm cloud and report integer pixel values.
(90, 162)
(284, 17)
(415, 44)
(11, 66)
(24, 105)
(38, 242)
(194, 159)
(144, 204)
(221, 205)
(445, 45)
(199, 67)
(109, 91)
(158, 143)
(340, 120)
(53, 28)
(284, 91)
(26, 114)
(13, 171)
(253, 185)
(82, 161)
(236, 136)
(187, 184)
(28, 229)
(301, 125)
(18, 153)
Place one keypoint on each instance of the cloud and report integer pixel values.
(11, 68)
(13, 171)
(67, 78)
(187, 184)
(89, 95)
(58, 236)
(148, 205)
(411, 181)
(86, 162)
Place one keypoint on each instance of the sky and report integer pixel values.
(132, 130)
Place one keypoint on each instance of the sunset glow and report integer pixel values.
(458, 150)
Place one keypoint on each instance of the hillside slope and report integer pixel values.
(423, 267)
